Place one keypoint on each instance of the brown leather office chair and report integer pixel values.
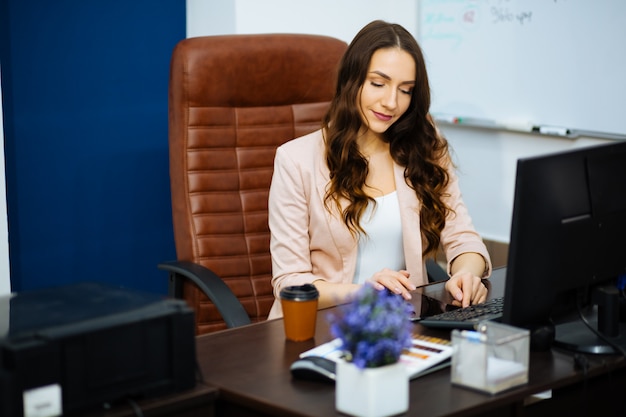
(232, 100)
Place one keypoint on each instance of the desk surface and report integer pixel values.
(250, 367)
(198, 401)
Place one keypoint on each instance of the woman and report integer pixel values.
(373, 193)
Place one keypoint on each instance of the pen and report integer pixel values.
(460, 120)
(474, 336)
(551, 130)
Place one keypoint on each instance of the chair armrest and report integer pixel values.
(211, 284)
(435, 272)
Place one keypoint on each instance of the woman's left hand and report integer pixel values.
(466, 289)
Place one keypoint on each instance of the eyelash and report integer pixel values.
(407, 92)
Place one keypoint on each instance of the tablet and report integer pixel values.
(425, 306)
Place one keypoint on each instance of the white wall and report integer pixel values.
(339, 18)
(5, 277)
(210, 17)
(486, 158)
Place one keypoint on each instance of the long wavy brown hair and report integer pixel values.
(413, 139)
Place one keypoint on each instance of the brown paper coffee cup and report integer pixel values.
(299, 305)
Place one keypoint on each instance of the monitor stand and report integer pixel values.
(576, 336)
(604, 316)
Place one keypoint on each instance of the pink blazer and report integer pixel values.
(309, 243)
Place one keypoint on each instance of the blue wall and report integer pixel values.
(85, 117)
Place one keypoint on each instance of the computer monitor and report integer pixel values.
(568, 247)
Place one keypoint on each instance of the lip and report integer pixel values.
(381, 116)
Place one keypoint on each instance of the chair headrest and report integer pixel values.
(256, 70)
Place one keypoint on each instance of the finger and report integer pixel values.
(398, 282)
(479, 296)
(454, 290)
(401, 290)
(468, 289)
(478, 290)
(407, 283)
(481, 293)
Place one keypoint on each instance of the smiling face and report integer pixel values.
(386, 93)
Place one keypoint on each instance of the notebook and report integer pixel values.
(426, 354)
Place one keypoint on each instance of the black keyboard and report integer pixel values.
(466, 318)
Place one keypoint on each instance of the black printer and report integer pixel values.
(83, 345)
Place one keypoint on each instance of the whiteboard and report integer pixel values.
(521, 63)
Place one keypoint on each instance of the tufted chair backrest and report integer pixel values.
(232, 100)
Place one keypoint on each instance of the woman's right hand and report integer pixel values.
(397, 282)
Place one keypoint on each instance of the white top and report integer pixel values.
(382, 246)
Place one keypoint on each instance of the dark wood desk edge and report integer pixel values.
(199, 401)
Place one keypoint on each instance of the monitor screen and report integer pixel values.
(568, 247)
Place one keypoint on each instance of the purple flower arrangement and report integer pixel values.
(374, 327)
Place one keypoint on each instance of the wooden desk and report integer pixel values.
(250, 367)
(196, 402)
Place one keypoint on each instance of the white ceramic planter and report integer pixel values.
(371, 392)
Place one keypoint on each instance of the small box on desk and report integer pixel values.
(69, 348)
(491, 359)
